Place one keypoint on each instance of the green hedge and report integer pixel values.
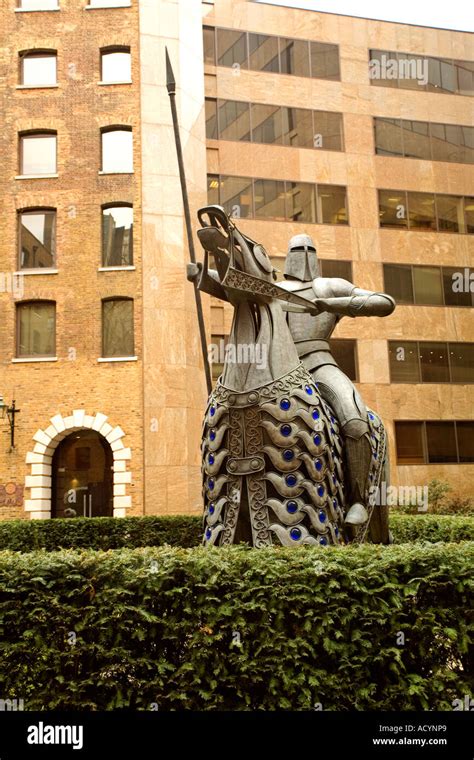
(130, 532)
(236, 629)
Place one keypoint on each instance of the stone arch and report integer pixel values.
(40, 459)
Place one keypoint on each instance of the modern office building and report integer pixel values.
(358, 132)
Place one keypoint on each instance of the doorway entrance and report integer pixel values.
(82, 476)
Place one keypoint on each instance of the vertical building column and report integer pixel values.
(174, 384)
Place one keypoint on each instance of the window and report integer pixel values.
(424, 140)
(434, 442)
(404, 362)
(461, 359)
(263, 53)
(38, 5)
(38, 68)
(294, 57)
(109, 3)
(450, 213)
(393, 208)
(117, 150)
(434, 362)
(301, 199)
(465, 76)
(36, 329)
(117, 236)
(458, 286)
(336, 268)
(117, 328)
(233, 119)
(37, 238)
(388, 68)
(417, 361)
(267, 124)
(416, 139)
(429, 285)
(213, 189)
(231, 48)
(269, 195)
(327, 129)
(398, 282)
(236, 196)
(298, 127)
(426, 211)
(116, 65)
(324, 60)
(209, 44)
(344, 352)
(332, 204)
(421, 211)
(211, 119)
(38, 153)
(441, 76)
(469, 214)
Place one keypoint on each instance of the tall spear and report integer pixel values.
(171, 87)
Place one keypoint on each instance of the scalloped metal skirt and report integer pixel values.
(273, 466)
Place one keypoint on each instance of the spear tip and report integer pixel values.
(170, 80)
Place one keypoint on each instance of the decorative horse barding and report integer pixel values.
(273, 455)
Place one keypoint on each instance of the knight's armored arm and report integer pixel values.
(360, 303)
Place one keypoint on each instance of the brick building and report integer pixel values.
(358, 132)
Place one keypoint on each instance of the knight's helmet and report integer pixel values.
(301, 259)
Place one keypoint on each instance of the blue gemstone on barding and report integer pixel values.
(285, 403)
(332, 430)
(375, 456)
(212, 435)
(285, 430)
(371, 416)
(291, 507)
(315, 414)
(290, 480)
(323, 541)
(322, 516)
(318, 464)
(332, 419)
(317, 439)
(288, 455)
(211, 484)
(295, 534)
(336, 531)
(212, 411)
(212, 508)
(208, 533)
(334, 503)
(334, 479)
(210, 459)
(309, 390)
(320, 491)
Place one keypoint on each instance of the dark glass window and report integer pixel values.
(263, 53)
(416, 139)
(382, 73)
(332, 204)
(117, 236)
(457, 285)
(441, 75)
(234, 120)
(465, 76)
(211, 119)
(461, 357)
(294, 57)
(266, 124)
(412, 71)
(398, 282)
(344, 352)
(36, 327)
(336, 268)
(409, 441)
(393, 208)
(236, 196)
(434, 362)
(324, 60)
(269, 197)
(388, 137)
(213, 196)
(450, 214)
(327, 128)
(209, 43)
(427, 284)
(117, 327)
(421, 211)
(465, 436)
(301, 202)
(231, 48)
(441, 442)
(298, 127)
(37, 238)
(469, 214)
(404, 362)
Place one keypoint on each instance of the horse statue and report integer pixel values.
(290, 455)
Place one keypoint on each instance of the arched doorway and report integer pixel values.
(82, 476)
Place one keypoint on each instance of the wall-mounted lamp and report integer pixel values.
(9, 412)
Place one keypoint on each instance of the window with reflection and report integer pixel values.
(269, 198)
(421, 211)
(117, 150)
(336, 268)
(209, 44)
(211, 119)
(409, 442)
(461, 360)
(378, 65)
(213, 196)
(36, 327)
(393, 209)
(398, 282)
(117, 327)
(263, 53)
(301, 202)
(465, 77)
(469, 214)
(117, 236)
(38, 68)
(344, 352)
(267, 124)
(332, 208)
(38, 153)
(116, 65)
(236, 196)
(294, 57)
(233, 119)
(411, 71)
(298, 127)
(37, 238)
(231, 48)
(324, 60)
(450, 213)
(456, 286)
(434, 362)
(465, 438)
(441, 75)
(427, 285)
(327, 130)
(441, 442)
(404, 361)
(416, 139)
(388, 137)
